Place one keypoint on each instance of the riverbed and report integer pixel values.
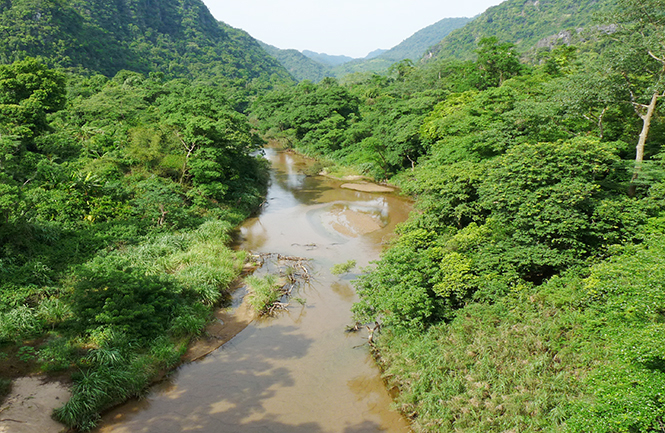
(298, 371)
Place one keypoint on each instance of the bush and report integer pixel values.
(111, 291)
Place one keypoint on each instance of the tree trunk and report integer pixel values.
(639, 157)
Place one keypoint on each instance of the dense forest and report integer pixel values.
(524, 294)
(125, 161)
(527, 24)
(179, 38)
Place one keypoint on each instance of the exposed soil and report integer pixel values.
(28, 407)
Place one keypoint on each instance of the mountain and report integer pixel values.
(176, 37)
(327, 59)
(297, 64)
(378, 60)
(415, 46)
(412, 48)
(521, 22)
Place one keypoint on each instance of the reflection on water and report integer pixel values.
(298, 372)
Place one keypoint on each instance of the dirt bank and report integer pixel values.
(29, 406)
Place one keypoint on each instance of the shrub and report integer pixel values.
(112, 292)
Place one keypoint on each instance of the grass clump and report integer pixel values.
(343, 268)
(264, 292)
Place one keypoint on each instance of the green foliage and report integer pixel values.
(110, 291)
(20, 323)
(115, 212)
(581, 353)
(58, 354)
(521, 23)
(29, 90)
(497, 62)
(343, 268)
(263, 292)
(26, 353)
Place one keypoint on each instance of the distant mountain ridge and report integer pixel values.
(297, 64)
(414, 47)
(327, 59)
(375, 53)
(378, 60)
(176, 37)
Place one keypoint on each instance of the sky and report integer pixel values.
(339, 27)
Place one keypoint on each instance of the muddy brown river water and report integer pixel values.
(298, 372)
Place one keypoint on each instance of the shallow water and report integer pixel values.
(298, 371)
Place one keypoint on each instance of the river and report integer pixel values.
(297, 372)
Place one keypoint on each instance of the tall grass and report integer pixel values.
(494, 368)
(263, 292)
(199, 269)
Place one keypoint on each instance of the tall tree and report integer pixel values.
(640, 59)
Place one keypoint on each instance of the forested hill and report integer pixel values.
(415, 46)
(177, 37)
(521, 22)
(299, 65)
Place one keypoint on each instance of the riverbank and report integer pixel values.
(370, 218)
(297, 371)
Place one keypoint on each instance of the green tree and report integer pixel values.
(28, 91)
(639, 58)
(496, 62)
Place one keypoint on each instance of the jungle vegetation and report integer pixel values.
(525, 293)
(117, 199)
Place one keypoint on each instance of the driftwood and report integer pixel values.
(370, 330)
(370, 338)
(293, 268)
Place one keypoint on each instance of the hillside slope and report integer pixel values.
(299, 65)
(522, 22)
(176, 37)
(327, 59)
(412, 48)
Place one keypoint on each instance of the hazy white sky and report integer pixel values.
(348, 27)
